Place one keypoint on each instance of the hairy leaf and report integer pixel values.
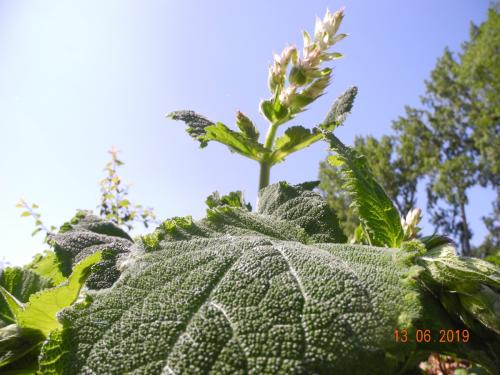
(243, 292)
(376, 211)
(195, 122)
(84, 235)
(246, 126)
(340, 109)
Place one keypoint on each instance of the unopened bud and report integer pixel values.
(246, 126)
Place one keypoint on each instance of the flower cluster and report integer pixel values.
(410, 223)
(306, 70)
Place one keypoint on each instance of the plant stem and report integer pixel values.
(265, 172)
(265, 166)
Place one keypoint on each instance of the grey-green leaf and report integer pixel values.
(340, 109)
(195, 122)
(241, 292)
(84, 235)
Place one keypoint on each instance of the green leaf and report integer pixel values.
(340, 109)
(233, 199)
(237, 142)
(266, 108)
(246, 126)
(14, 305)
(473, 281)
(15, 345)
(124, 203)
(376, 211)
(331, 56)
(25, 213)
(21, 284)
(310, 93)
(294, 139)
(48, 266)
(40, 311)
(195, 122)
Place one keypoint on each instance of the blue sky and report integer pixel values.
(79, 77)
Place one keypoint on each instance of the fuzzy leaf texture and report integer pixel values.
(270, 292)
(378, 215)
(340, 109)
(195, 122)
(84, 235)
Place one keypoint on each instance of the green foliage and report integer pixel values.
(452, 143)
(81, 237)
(33, 321)
(47, 266)
(378, 216)
(31, 211)
(220, 294)
(115, 206)
(392, 162)
(19, 283)
(233, 199)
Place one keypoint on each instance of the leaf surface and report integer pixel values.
(377, 213)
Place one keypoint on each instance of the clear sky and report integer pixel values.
(79, 77)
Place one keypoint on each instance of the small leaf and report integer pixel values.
(294, 139)
(35, 231)
(331, 56)
(15, 306)
(246, 126)
(34, 205)
(41, 309)
(236, 142)
(195, 122)
(25, 213)
(266, 108)
(124, 203)
(340, 109)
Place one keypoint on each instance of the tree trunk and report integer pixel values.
(465, 231)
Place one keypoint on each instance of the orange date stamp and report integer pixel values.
(444, 336)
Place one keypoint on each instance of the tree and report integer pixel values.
(463, 100)
(452, 143)
(456, 160)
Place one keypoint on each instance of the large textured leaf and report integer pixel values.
(84, 235)
(302, 207)
(242, 292)
(376, 211)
